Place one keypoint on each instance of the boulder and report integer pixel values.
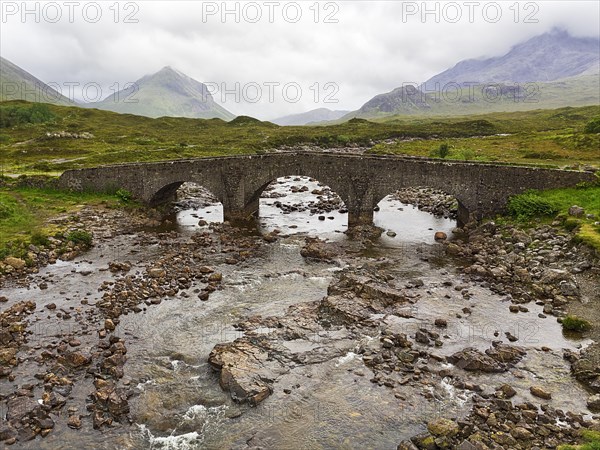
(15, 263)
(576, 211)
(593, 403)
(540, 392)
(472, 360)
(245, 371)
(443, 427)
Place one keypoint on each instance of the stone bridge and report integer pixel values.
(482, 190)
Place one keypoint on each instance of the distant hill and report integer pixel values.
(18, 84)
(310, 117)
(168, 92)
(548, 71)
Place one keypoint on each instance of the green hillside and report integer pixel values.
(62, 137)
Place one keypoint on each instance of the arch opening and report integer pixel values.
(417, 215)
(187, 206)
(298, 204)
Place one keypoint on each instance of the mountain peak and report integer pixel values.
(545, 57)
(167, 92)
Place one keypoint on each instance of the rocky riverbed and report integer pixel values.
(207, 336)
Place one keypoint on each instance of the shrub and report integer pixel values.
(39, 240)
(530, 204)
(593, 126)
(16, 115)
(441, 152)
(570, 224)
(123, 195)
(80, 237)
(574, 323)
(467, 154)
(6, 211)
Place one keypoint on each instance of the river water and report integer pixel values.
(179, 403)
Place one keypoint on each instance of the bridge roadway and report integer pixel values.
(482, 190)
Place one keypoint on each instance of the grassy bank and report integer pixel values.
(535, 206)
(25, 215)
(52, 139)
(561, 137)
(591, 442)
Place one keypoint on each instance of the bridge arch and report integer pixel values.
(255, 190)
(464, 214)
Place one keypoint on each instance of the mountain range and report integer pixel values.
(547, 71)
(551, 70)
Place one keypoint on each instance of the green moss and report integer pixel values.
(574, 323)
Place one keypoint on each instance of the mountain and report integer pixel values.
(18, 84)
(310, 117)
(548, 57)
(168, 92)
(548, 71)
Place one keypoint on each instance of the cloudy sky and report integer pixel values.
(276, 57)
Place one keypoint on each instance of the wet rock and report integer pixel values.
(496, 359)
(593, 403)
(19, 407)
(156, 272)
(116, 266)
(424, 441)
(74, 422)
(507, 391)
(15, 263)
(407, 445)
(7, 432)
(538, 391)
(440, 236)
(316, 248)
(244, 370)
(443, 427)
(504, 353)
(441, 323)
(568, 289)
(521, 433)
(215, 277)
(471, 359)
(75, 359)
(109, 325)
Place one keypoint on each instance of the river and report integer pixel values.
(331, 404)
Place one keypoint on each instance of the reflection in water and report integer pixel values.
(407, 224)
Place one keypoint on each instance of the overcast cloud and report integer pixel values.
(374, 47)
